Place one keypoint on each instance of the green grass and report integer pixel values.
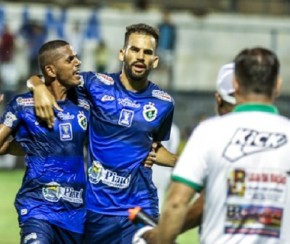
(10, 182)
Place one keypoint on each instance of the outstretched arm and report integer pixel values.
(43, 100)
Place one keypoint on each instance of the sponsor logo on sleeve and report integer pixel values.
(162, 95)
(107, 80)
(9, 119)
(25, 101)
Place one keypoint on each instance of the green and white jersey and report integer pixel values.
(242, 160)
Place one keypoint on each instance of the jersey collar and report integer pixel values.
(252, 107)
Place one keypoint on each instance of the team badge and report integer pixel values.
(149, 112)
(82, 120)
(126, 117)
(65, 131)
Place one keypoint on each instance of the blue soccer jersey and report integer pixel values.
(123, 126)
(53, 187)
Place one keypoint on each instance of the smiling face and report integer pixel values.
(139, 57)
(64, 66)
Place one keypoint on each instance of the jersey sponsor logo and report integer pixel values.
(126, 117)
(107, 98)
(65, 116)
(149, 112)
(84, 104)
(246, 142)
(25, 101)
(108, 177)
(107, 80)
(9, 119)
(65, 132)
(162, 95)
(31, 236)
(82, 120)
(126, 102)
(53, 192)
(255, 197)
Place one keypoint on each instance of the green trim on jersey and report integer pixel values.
(252, 107)
(196, 187)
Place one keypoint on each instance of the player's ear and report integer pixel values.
(278, 85)
(50, 70)
(218, 99)
(155, 62)
(236, 85)
(121, 55)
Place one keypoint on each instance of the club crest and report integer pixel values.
(149, 112)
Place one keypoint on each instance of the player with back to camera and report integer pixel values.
(129, 113)
(225, 102)
(50, 202)
(251, 144)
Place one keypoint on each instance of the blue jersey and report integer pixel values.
(53, 187)
(123, 126)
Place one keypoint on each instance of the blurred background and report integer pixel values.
(197, 38)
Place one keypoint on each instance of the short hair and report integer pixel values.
(141, 28)
(47, 54)
(257, 70)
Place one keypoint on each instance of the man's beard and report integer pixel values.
(133, 76)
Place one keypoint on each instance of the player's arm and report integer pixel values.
(12, 147)
(194, 215)
(5, 132)
(43, 100)
(174, 213)
(164, 157)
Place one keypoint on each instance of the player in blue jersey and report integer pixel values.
(50, 202)
(129, 113)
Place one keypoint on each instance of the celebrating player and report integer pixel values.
(129, 114)
(50, 202)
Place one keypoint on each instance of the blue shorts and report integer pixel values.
(36, 231)
(108, 229)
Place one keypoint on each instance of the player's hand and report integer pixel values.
(151, 158)
(1, 97)
(44, 103)
(150, 236)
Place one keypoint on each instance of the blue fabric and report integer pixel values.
(40, 231)
(123, 126)
(53, 187)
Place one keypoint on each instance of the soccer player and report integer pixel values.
(243, 166)
(129, 113)
(225, 102)
(50, 202)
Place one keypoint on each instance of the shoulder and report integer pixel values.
(101, 78)
(24, 99)
(160, 94)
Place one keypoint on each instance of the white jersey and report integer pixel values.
(242, 160)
